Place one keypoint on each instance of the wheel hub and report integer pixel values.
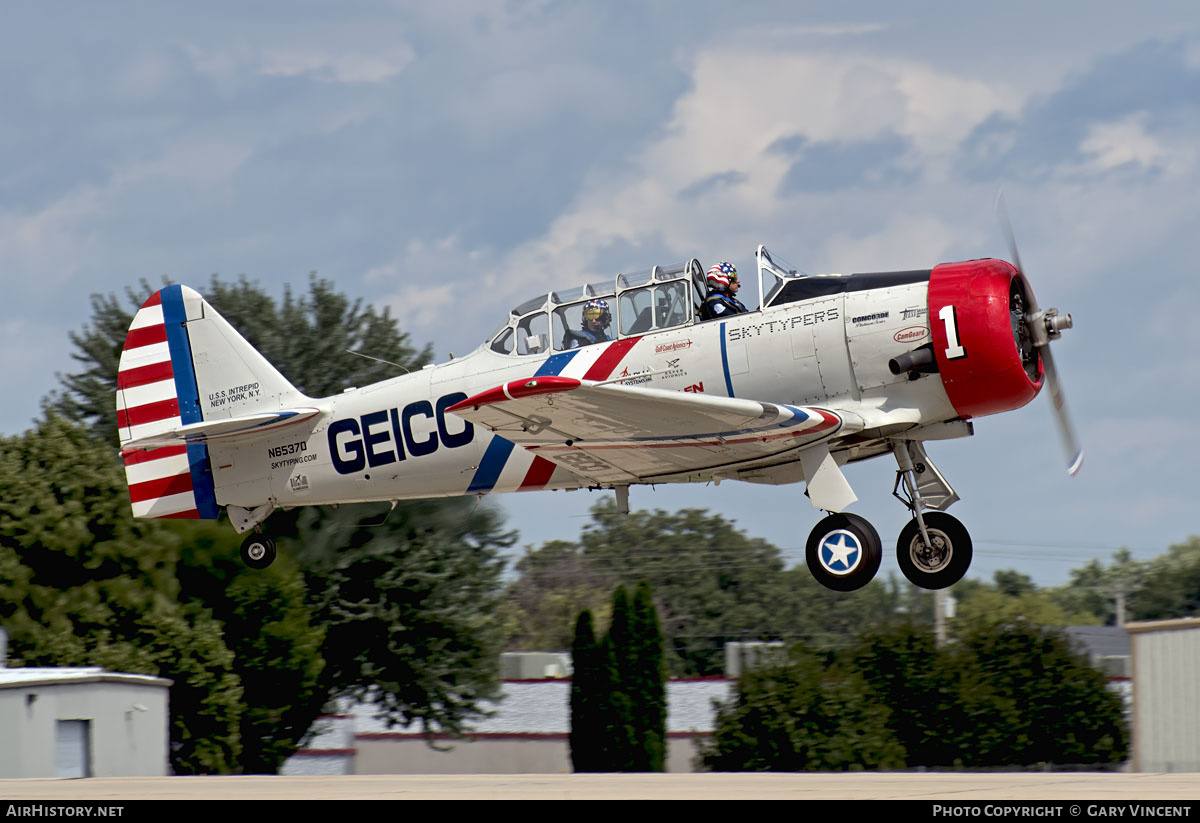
(840, 552)
(256, 551)
(931, 558)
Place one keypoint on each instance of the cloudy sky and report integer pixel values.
(450, 159)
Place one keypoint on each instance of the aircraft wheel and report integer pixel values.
(940, 565)
(258, 551)
(843, 552)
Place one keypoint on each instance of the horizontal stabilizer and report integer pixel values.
(230, 427)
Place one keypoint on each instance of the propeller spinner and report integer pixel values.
(1040, 327)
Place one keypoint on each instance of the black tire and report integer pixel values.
(941, 565)
(258, 551)
(838, 570)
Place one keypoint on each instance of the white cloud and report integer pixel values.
(740, 104)
(1126, 142)
(339, 67)
(425, 288)
(49, 246)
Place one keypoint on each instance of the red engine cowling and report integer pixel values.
(986, 360)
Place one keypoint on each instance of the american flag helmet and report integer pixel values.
(722, 274)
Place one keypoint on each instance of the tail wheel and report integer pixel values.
(258, 551)
(940, 563)
(843, 552)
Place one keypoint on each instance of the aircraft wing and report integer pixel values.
(616, 434)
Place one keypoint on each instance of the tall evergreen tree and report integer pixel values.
(618, 691)
(589, 693)
(621, 750)
(647, 682)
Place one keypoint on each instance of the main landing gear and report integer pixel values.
(933, 550)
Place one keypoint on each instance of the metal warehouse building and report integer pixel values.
(1166, 695)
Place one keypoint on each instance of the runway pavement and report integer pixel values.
(1058, 786)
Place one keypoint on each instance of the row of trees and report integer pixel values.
(714, 584)
(1008, 694)
(401, 614)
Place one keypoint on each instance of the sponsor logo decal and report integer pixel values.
(298, 482)
(870, 319)
(392, 435)
(638, 376)
(670, 347)
(913, 312)
(911, 334)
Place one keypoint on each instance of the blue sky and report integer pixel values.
(449, 160)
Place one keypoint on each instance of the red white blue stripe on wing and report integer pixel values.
(156, 392)
(801, 424)
(504, 465)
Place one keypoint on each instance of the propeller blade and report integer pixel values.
(1066, 430)
(1006, 228)
(1036, 321)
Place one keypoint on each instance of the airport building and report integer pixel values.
(1166, 711)
(82, 722)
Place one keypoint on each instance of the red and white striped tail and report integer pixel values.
(156, 392)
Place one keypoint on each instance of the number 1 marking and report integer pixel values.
(954, 349)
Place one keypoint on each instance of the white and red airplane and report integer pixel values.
(829, 369)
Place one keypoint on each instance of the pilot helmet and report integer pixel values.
(597, 310)
(721, 275)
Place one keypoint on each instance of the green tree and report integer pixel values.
(619, 649)
(712, 584)
(85, 584)
(1008, 694)
(589, 694)
(270, 629)
(809, 714)
(647, 682)
(554, 584)
(1169, 584)
(1104, 591)
(618, 689)
(903, 667)
(410, 606)
(1034, 699)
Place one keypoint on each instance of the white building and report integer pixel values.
(82, 722)
(527, 734)
(1166, 695)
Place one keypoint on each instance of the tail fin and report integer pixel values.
(185, 377)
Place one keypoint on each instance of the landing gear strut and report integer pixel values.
(934, 549)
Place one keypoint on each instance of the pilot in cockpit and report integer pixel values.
(596, 320)
(721, 300)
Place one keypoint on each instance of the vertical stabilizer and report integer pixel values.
(184, 364)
